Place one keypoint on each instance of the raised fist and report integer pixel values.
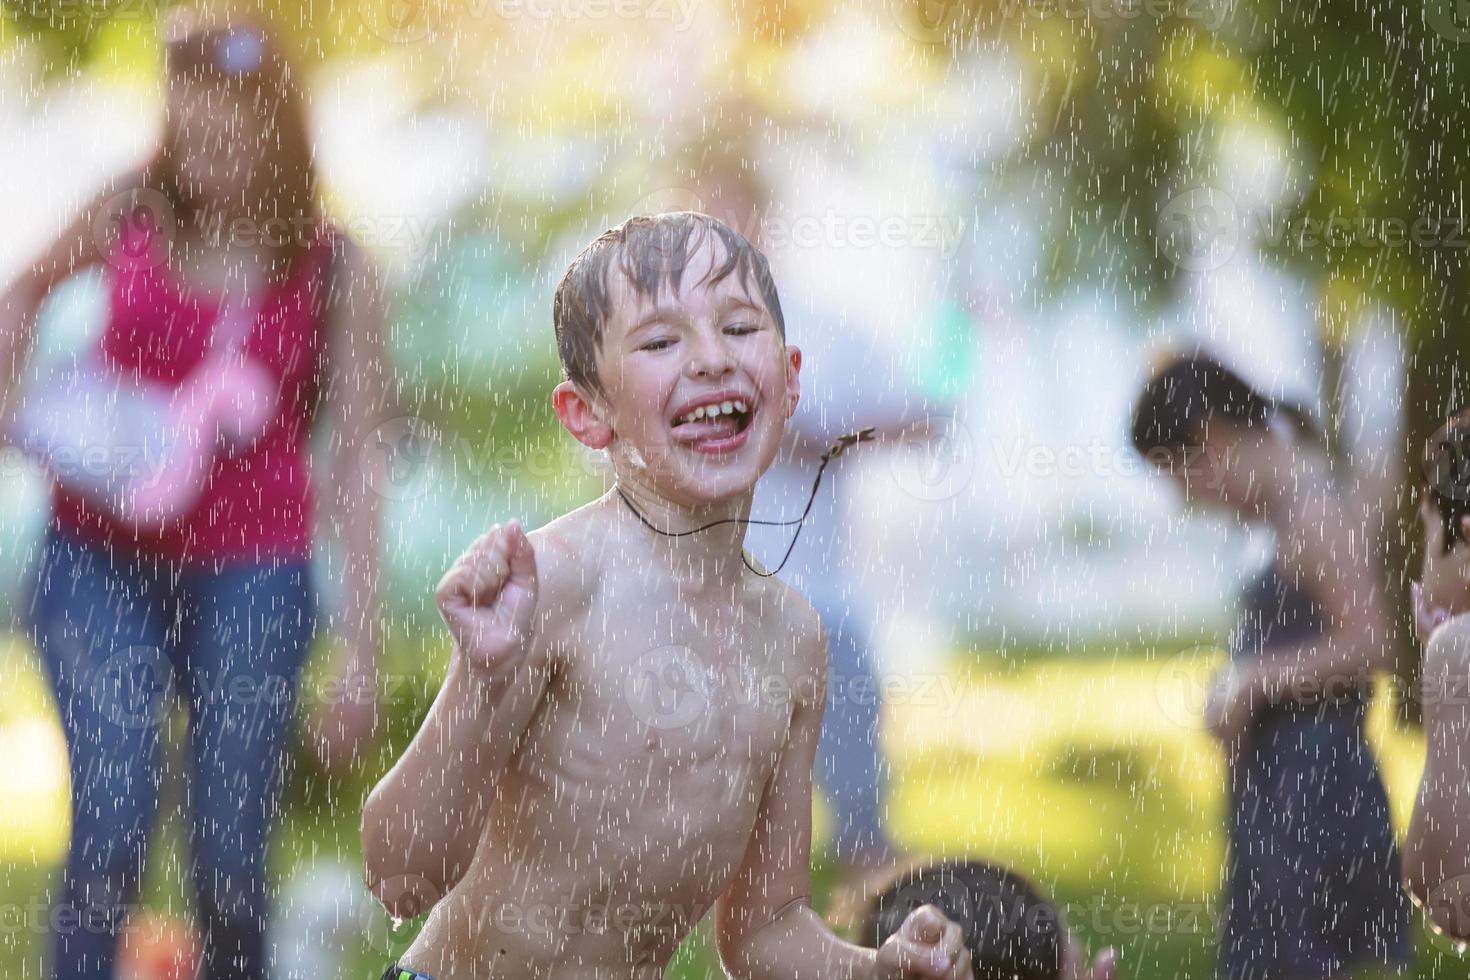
(488, 600)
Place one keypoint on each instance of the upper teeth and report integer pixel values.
(712, 411)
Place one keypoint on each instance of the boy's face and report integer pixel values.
(669, 368)
(1445, 582)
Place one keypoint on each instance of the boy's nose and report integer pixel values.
(709, 356)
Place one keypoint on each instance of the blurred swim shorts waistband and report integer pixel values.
(396, 972)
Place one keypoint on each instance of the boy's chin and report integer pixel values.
(706, 486)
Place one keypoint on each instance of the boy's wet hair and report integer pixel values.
(650, 251)
(1190, 390)
(1011, 931)
(1446, 472)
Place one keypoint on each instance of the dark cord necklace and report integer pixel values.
(836, 449)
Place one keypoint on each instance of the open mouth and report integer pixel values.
(715, 426)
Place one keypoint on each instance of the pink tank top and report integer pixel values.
(256, 504)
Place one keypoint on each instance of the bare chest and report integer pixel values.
(673, 707)
(663, 730)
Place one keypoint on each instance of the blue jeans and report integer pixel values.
(117, 633)
(849, 768)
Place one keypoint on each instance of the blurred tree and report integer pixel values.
(1372, 95)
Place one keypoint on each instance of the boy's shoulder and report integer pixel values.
(797, 612)
(567, 572)
(795, 616)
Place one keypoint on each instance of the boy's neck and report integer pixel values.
(713, 554)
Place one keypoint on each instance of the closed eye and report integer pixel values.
(740, 329)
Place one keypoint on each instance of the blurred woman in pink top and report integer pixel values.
(219, 233)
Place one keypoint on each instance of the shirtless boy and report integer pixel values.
(626, 731)
(1437, 852)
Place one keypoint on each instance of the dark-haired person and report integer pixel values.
(1312, 875)
(1437, 853)
(1010, 929)
(217, 601)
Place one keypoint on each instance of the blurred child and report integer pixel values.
(1437, 853)
(1312, 873)
(1011, 931)
(626, 733)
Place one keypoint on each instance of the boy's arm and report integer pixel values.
(765, 927)
(422, 823)
(1437, 850)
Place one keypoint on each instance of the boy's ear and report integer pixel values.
(793, 378)
(581, 415)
